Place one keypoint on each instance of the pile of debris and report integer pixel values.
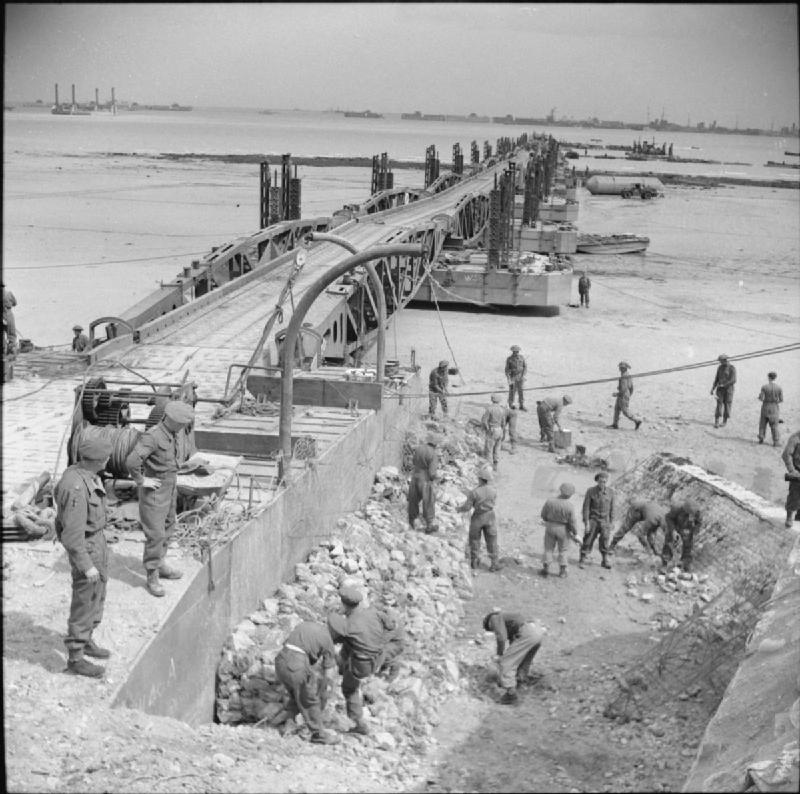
(421, 578)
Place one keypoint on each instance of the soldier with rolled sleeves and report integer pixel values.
(307, 648)
(560, 524)
(493, 422)
(724, 381)
(623, 394)
(791, 459)
(771, 397)
(80, 342)
(371, 639)
(438, 383)
(682, 520)
(648, 517)
(481, 501)
(548, 411)
(516, 370)
(598, 516)
(425, 463)
(80, 500)
(518, 641)
(153, 465)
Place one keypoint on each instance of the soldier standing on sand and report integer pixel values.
(518, 641)
(425, 462)
(548, 411)
(791, 459)
(297, 669)
(584, 285)
(771, 397)
(510, 428)
(370, 640)
(80, 500)
(684, 520)
(623, 394)
(493, 422)
(724, 382)
(598, 516)
(649, 516)
(481, 501)
(560, 523)
(437, 388)
(153, 465)
(516, 370)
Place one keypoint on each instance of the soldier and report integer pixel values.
(425, 462)
(623, 394)
(584, 285)
(9, 302)
(510, 429)
(493, 422)
(370, 640)
(684, 520)
(516, 370)
(791, 459)
(598, 516)
(548, 411)
(648, 517)
(518, 641)
(438, 383)
(297, 665)
(771, 397)
(481, 501)
(724, 382)
(80, 500)
(560, 523)
(153, 465)
(80, 342)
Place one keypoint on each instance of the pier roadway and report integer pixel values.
(206, 336)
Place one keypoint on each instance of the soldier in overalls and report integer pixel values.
(153, 465)
(425, 463)
(80, 500)
(481, 501)
(771, 397)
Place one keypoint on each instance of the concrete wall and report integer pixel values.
(174, 673)
(755, 729)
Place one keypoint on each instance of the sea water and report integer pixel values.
(94, 219)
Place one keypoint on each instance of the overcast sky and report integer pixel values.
(729, 63)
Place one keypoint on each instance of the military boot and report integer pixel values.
(95, 651)
(509, 696)
(323, 736)
(563, 572)
(165, 572)
(153, 585)
(545, 571)
(360, 727)
(605, 563)
(80, 666)
(582, 561)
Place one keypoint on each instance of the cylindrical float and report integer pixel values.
(614, 185)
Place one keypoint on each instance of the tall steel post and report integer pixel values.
(264, 186)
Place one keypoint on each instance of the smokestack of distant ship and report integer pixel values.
(73, 96)
(96, 99)
(56, 95)
(113, 102)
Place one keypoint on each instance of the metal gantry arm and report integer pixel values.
(293, 329)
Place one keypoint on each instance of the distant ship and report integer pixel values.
(173, 106)
(362, 114)
(417, 116)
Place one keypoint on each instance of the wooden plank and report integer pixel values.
(261, 445)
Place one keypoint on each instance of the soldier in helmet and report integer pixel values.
(516, 370)
(481, 501)
(438, 383)
(425, 463)
(153, 465)
(80, 500)
(724, 382)
(80, 342)
(493, 423)
(548, 412)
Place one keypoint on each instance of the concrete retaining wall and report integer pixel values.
(174, 673)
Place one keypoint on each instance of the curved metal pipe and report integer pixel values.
(293, 329)
(377, 288)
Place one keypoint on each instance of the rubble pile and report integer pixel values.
(420, 578)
